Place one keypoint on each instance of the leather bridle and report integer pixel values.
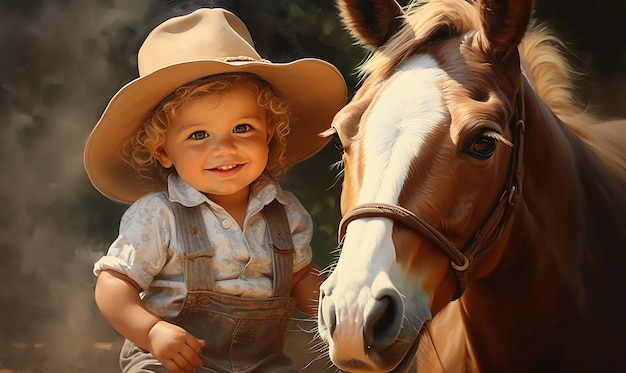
(485, 237)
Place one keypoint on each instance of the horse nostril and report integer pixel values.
(327, 314)
(382, 325)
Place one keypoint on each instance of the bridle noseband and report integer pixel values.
(485, 237)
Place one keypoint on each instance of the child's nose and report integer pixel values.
(223, 145)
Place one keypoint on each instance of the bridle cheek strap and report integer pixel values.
(485, 237)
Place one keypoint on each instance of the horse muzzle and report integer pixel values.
(365, 326)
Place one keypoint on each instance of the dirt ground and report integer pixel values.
(101, 357)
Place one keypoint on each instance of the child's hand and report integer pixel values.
(176, 349)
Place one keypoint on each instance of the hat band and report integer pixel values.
(242, 58)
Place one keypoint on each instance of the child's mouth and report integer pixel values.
(227, 168)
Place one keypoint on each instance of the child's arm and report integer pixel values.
(117, 296)
(305, 287)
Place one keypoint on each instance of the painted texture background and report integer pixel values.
(61, 62)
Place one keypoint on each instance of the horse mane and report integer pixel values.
(545, 62)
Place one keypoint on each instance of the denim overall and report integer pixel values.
(242, 335)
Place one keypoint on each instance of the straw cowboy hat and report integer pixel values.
(185, 48)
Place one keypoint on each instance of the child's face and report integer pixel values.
(218, 144)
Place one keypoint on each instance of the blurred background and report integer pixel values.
(61, 62)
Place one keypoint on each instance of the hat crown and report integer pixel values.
(205, 34)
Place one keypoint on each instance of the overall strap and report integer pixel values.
(192, 234)
(282, 247)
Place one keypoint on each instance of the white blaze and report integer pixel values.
(405, 112)
(403, 115)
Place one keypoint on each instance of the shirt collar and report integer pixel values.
(262, 191)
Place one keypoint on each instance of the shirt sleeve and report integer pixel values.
(141, 249)
(301, 225)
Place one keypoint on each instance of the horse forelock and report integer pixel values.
(424, 22)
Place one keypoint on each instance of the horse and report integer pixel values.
(483, 205)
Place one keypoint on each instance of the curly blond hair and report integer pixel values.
(139, 150)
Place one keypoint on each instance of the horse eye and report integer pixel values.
(337, 142)
(483, 146)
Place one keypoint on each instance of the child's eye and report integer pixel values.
(199, 135)
(241, 128)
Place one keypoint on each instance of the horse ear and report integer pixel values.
(504, 23)
(372, 22)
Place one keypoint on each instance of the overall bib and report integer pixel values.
(242, 335)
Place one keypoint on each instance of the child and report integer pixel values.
(212, 256)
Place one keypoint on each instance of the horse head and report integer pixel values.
(431, 148)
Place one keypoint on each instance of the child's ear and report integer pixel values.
(161, 155)
(270, 133)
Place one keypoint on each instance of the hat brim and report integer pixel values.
(315, 89)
